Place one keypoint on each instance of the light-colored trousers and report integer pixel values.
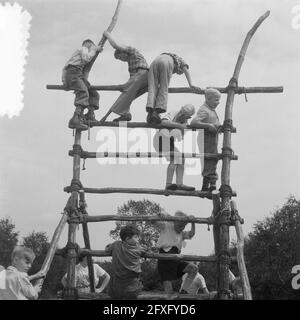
(137, 81)
(159, 76)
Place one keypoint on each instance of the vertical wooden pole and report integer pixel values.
(216, 229)
(87, 244)
(72, 254)
(224, 217)
(224, 261)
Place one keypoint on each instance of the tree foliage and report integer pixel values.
(149, 234)
(8, 240)
(271, 251)
(39, 243)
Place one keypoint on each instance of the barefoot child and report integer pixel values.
(207, 117)
(17, 282)
(174, 120)
(126, 264)
(171, 241)
(73, 79)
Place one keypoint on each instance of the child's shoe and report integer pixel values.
(171, 186)
(155, 118)
(77, 123)
(123, 117)
(185, 188)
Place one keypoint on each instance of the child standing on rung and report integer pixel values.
(171, 240)
(206, 117)
(73, 79)
(126, 264)
(164, 142)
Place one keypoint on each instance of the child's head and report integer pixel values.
(130, 234)
(212, 97)
(82, 259)
(185, 113)
(121, 55)
(88, 43)
(179, 225)
(22, 258)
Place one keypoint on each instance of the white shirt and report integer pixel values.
(198, 283)
(169, 237)
(82, 56)
(82, 280)
(16, 285)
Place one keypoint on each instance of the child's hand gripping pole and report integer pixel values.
(114, 20)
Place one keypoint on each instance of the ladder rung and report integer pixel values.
(100, 218)
(200, 194)
(159, 256)
(152, 295)
(87, 155)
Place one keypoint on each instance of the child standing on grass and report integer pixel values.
(82, 280)
(206, 117)
(126, 264)
(73, 79)
(16, 284)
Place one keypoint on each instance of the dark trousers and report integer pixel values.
(210, 165)
(84, 96)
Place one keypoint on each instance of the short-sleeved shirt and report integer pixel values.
(198, 283)
(82, 280)
(17, 285)
(81, 57)
(179, 63)
(136, 60)
(169, 238)
(171, 116)
(125, 259)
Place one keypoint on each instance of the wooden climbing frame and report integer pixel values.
(224, 212)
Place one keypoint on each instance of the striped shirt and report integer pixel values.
(179, 63)
(81, 57)
(136, 60)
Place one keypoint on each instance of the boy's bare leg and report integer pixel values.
(170, 174)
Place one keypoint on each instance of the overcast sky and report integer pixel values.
(35, 166)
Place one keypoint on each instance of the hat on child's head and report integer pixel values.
(211, 92)
(188, 110)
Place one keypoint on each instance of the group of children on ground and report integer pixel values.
(155, 79)
(124, 281)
